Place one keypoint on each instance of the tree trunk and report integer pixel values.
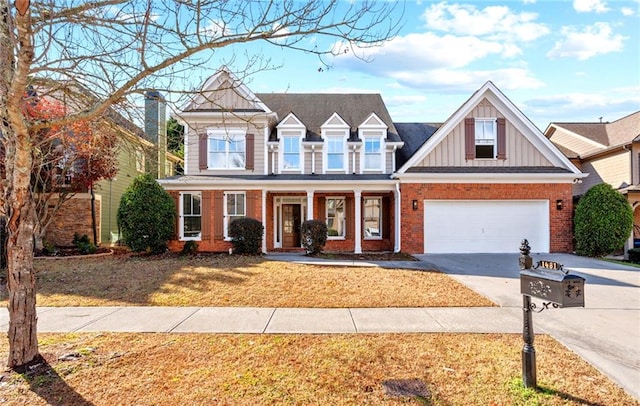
(23, 340)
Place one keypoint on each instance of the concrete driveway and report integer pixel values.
(606, 332)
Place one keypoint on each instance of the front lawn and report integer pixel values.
(206, 369)
(231, 280)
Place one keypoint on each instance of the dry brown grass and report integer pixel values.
(197, 369)
(223, 280)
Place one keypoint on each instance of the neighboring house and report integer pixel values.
(480, 182)
(608, 152)
(138, 152)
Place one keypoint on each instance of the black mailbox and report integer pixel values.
(550, 283)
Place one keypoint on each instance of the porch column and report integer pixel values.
(357, 195)
(309, 204)
(264, 221)
(398, 219)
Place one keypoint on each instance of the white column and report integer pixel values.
(264, 221)
(357, 195)
(309, 204)
(398, 223)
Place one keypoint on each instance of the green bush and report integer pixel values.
(190, 248)
(603, 221)
(146, 216)
(634, 255)
(83, 244)
(246, 235)
(314, 236)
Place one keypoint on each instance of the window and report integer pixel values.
(485, 133)
(191, 216)
(335, 217)
(335, 153)
(372, 153)
(140, 160)
(372, 217)
(234, 207)
(291, 153)
(226, 150)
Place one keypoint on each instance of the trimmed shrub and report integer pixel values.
(146, 216)
(634, 255)
(190, 248)
(314, 236)
(603, 221)
(83, 244)
(246, 235)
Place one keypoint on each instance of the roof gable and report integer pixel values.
(511, 113)
(291, 121)
(602, 135)
(335, 121)
(224, 92)
(373, 121)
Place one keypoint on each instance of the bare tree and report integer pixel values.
(119, 49)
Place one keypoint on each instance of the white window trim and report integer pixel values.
(326, 216)
(225, 209)
(493, 121)
(181, 214)
(281, 153)
(364, 208)
(224, 133)
(325, 155)
(383, 153)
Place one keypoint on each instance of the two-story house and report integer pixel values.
(609, 152)
(480, 182)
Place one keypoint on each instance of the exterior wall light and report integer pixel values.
(558, 204)
(414, 204)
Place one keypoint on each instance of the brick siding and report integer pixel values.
(560, 221)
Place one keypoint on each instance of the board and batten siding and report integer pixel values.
(613, 169)
(192, 146)
(451, 150)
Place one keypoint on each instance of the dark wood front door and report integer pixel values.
(291, 225)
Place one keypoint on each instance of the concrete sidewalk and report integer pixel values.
(274, 320)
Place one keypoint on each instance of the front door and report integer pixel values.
(291, 216)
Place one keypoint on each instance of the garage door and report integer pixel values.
(474, 226)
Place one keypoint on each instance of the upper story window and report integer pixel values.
(373, 153)
(226, 149)
(190, 216)
(485, 138)
(291, 152)
(335, 153)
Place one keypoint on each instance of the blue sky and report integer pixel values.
(556, 60)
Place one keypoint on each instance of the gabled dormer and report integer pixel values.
(335, 133)
(373, 133)
(291, 132)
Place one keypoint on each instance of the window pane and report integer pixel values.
(191, 218)
(291, 161)
(335, 145)
(372, 161)
(192, 226)
(372, 217)
(335, 218)
(371, 145)
(335, 161)
(196, 204)
(236, 160)
(484, 151)
(186, 204)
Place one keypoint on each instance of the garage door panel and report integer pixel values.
(478, 226)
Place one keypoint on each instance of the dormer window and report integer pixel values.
(335, 153)
(372, 153)
(291, 153)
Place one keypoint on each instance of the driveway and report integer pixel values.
(606, 332)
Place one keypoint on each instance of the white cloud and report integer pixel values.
(597, 39)
(627, 11)
(587, 6)
(496, 22)
(468, 80)
(528, 1)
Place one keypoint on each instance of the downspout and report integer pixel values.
(398, 242)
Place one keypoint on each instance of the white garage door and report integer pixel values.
(474, 226)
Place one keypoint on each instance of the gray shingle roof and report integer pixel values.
(619, 132)
(414, 136)
(313, 109)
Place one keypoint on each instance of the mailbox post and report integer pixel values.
(550, 282)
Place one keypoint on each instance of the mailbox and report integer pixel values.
(550, 283)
